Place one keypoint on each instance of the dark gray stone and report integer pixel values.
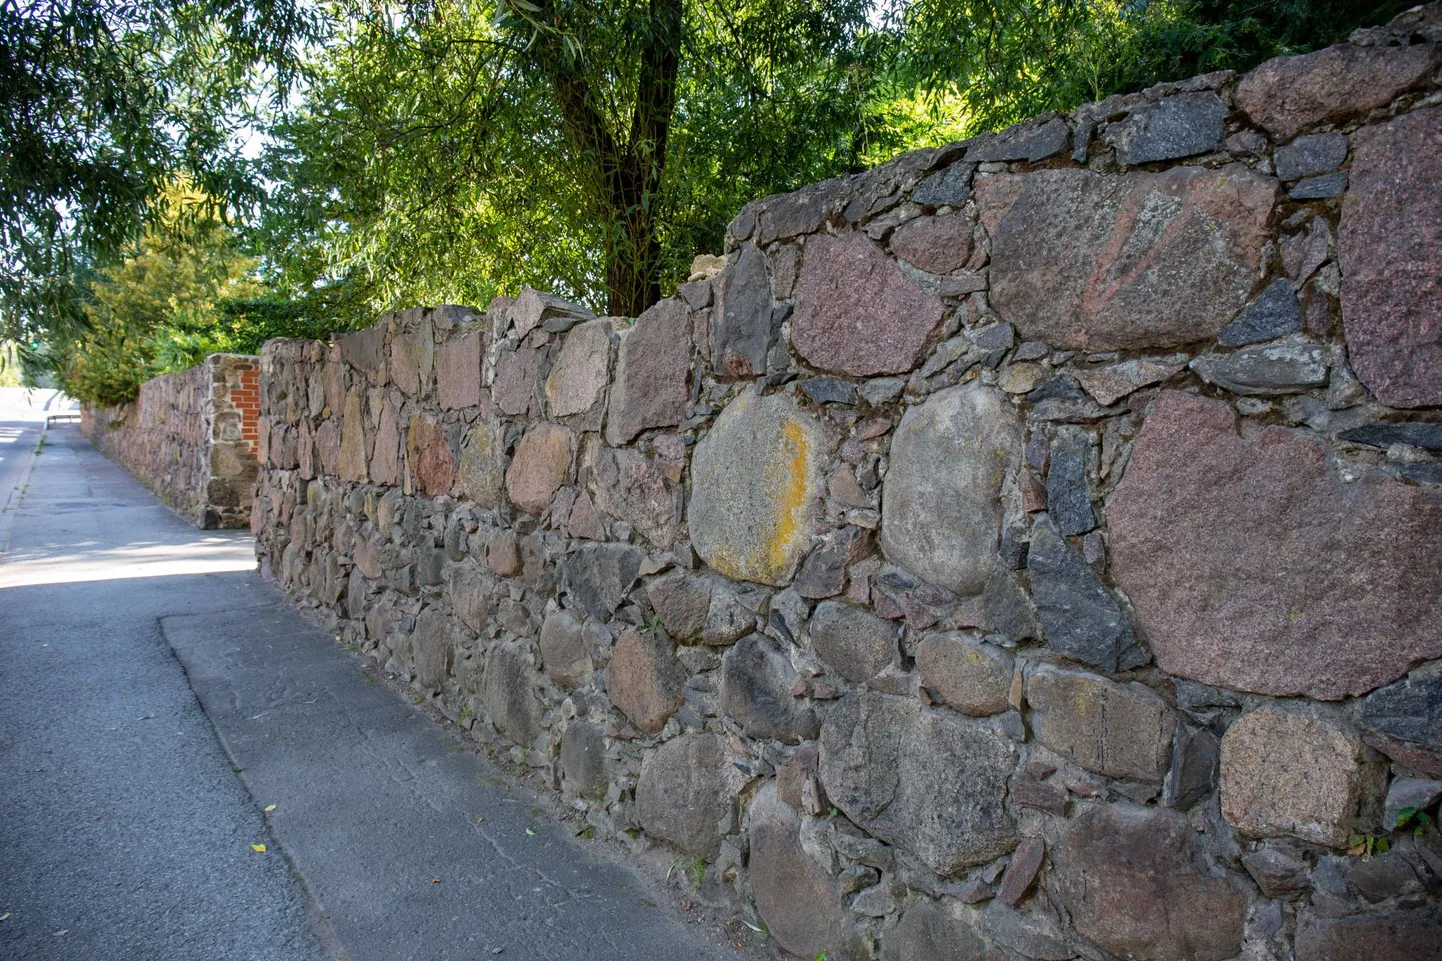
(691, 767)
(1417, 793)
(1068, 497)
(1060, 387)
(1402, 935)
(1404, 719)
(1429, 473)
(1311, 155)
(945, 188)
(931, 782)
(829, 390)
(682, 601)
(756, 691)
(1383, 876)
(742, 327)
(1009, 612)
(1029, 140)
(1413, 434)
(1029, 935)
(1266, 368)
(999, 336)
(928, 932)
(583, 760)
(509, 691)
(823, 573)
(1178, 126)
(1278, 869)
(600, 575)
(1080, 617)
(856, 643)
(1193, 776)
(1272, 313)
(564, 652)
(364, 349)
(1319, 188)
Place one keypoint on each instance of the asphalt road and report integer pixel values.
(156, 696)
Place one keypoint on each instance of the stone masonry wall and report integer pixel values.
(1028, 549)
(190, 437)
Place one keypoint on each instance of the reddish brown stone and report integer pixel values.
(1391, 252)
(1253, 567)
(577, 382)
(644, 680)
(386, 459)
(795, 895)
(1407, 935)
(458, 372)
(940, 243)
(514, 389)
(429, 455)
(327, 448)
(857, 313)
(352, 438)
(1145, 260)
(629, 486)
(1022, 871)
(539, 468)
(652, 368)
(1288, 94)
(1128, 878)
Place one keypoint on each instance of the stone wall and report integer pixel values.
(1028, 549)
(190, 437)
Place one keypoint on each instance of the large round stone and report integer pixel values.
(1390, 242)
(941, 508)
(1252, 566)
(932, 782)
(1141, 260)
(795, 896)
(755, 482)
(857, 313)
(684, 794)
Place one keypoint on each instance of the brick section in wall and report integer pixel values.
(1028, 549)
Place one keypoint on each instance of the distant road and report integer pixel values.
(22, 420)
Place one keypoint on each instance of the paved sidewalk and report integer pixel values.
(130, 830)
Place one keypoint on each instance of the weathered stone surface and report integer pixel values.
(1030, 935)
(578, 378)
(795, 895)
(1416, 793)
(1129, 879)
(948, 187)
(684, 796)
(534, 309)
(458, 372)
(509, 692)
(857, 313)
(412, 356)
(1120, 730)
(1404, 720)
(1412, 433)
(1307, 156)
(1279, 870)
(564, 653)
(429, 456)
(539, 467)
(433, 644)
(1022, 871)
(1031, 140)
(829, 390)
(857, 643)
(755, 483)
(653, 365)
(385, 465)
(352, 438)
(470, 595)
(933, 783)
(644, 680)
(1068, 496)
(1251, 566)
(629, 486)
(973, 677)
(600, 575)
(1195, 758)
(756, 691)
(1289, 775)
(1319, 188)
(1110, 384)
(1273, 313)
(482, 471)
(1145, 260)
(583, 760)
(940, 243)
(1173, 127)
(514, 387)
(1413, 934)
(1286, 95)
(1390, 245)
(682, 602)
(940, 503)
(929, 932)
(1285, 368)
(364, 349)
(743, 325)
(1079, 616)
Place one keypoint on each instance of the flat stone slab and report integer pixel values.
(1143, 260)
(1252, 566)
